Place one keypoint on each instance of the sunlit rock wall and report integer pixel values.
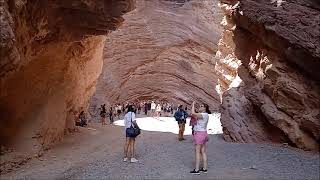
(277, 43)
(51, 57)
(165, 50)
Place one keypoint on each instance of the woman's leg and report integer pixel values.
(132, 147)
(126, 147)
(133, 159)
(182, 129)
(204, 156)
(198, 149)
(180, 132)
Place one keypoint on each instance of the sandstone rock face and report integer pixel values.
(51, 57)
(164, 50)
(266, 64)
(279, 49)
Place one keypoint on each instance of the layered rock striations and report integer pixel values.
(164, 50)
(274, 48)
(51, 57)
(264, 69)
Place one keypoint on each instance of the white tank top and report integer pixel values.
(201, 124)
(127, 119)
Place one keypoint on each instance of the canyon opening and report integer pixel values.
(73, 72)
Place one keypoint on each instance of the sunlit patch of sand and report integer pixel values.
(169, 124)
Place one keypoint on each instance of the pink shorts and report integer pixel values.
(200, 137)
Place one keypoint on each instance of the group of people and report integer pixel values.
(150, 107)
(81, 120)
(199, 121)
(156, 108)
(199, 117)
(113, 112)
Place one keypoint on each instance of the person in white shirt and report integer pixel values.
(200, 137)
(130, 119)
(119, 110)
(158, 110)
(153, 109)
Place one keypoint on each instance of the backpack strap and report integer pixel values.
(131, 120)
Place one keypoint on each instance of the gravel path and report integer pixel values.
(96, 153)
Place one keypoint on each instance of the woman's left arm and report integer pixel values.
(134, 122)
(193, 112)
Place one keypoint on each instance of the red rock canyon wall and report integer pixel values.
(51, 57)
(52, 51)
(164, 50)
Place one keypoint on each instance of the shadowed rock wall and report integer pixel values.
(279, 49)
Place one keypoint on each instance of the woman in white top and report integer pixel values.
(200, 137)
(130, 119)
(153, 109)
(158, 110)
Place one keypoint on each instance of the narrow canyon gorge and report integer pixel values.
(254, 61)
(163, 51)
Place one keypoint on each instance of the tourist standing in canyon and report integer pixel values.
(180, 115)
(145, 108)
(171, 108)
(158, 110)
(153, 108)
(111, 114)
(200, 137)
(103, 113)
(149, 106)
(139, 105)
(130, 120)
(81, 120)
(123, 108)
(119, 110)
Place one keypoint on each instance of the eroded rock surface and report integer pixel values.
(279, 49)
(164, 50)
(51, 57)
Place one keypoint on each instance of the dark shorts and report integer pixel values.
(128, 135)
(182, 121)
(119, 111)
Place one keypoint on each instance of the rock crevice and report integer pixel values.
(278, 53)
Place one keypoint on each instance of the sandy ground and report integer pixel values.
(96, 153)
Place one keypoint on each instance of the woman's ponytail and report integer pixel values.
(207, 108)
